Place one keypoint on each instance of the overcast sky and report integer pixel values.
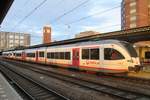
(100, 19)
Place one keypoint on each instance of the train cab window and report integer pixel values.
(85, 54)
(147, 55)
(41, 54)
(94, 54)
(67, 55)
(112, 54)
(31, 55)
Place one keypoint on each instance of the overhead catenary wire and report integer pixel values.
(30, 13)
(70, 11)
(98, 13)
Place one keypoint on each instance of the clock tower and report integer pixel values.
(46, 34)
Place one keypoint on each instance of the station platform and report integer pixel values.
(142, 74)
(146, 68)
(6, 91)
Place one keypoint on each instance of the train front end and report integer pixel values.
(133, 59)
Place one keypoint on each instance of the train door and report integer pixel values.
(36, 55)
(75, 57)
(23, 55)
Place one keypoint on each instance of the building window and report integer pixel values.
(11, 36)
(133, 18)
(132, 25)
(112, 54)
(132, 11)
(11, 45)
(21, 37)
(133, 3)
(16, 37)
(21, 42)
(11, 41)
(17, 41)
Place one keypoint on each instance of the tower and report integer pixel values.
(46, 34)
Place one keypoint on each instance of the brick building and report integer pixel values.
(47, 34)
(86, 33)
(11, 40)
(135, 13)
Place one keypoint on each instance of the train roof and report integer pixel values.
(76, 44)
(90, 43)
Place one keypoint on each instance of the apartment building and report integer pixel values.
(11, 40)
(135, 13)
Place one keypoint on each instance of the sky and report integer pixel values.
(92, 15)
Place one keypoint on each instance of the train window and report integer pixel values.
(41, 54)
(94, 54)
(18, 54)
(48, 55)
(62, 55)
(112, 54)
(67, 55)
(52, 55)
(147, 55)
(129, 47)
(85, 53)
(56, 55)
(30, 54)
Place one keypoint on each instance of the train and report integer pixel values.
(105, 56)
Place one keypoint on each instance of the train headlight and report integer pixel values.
(131, 61)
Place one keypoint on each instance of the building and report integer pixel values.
(135, 13)
(11, 40)
(86, 33)
(143, 50)
(47, 34)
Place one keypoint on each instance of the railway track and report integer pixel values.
(32, 89)
(123, 94)
(138, 82)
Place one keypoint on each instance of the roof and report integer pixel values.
(130, 35)
(4, 7)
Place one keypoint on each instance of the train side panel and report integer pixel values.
(41, 55)
(90, 58)
(31, 55)
(59, 56)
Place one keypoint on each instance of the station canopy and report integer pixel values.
(4, 7)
